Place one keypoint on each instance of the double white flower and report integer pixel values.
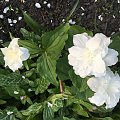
(106, 88)
(91, 56)
(14, 55)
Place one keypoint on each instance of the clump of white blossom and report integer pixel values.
(14, 55)
(91, 56)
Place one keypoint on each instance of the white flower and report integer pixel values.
(91, 55)
(14, 55)
(106, 88)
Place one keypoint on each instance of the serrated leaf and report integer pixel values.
(11, 83)
(32, 110)
(53, 42)
(10, 79)
(106, 118)
(63, 68)
(79, 110)
(48, 113)
(77, 81)
(30, 35)
(33, 24)
(42, 85)
(1, 58)
(116, 43)
(66, 118)
(8, 114)
(46, 66)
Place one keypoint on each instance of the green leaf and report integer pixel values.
(48, 113)
(1, 58)
(53, 42)
(33, 110)
(46, 66)
(106, 118)
(2, 102)
(77, 81)
(30, 35)
(66, 118)
(31, 46)
(33, 24)
(10, 79)
(116, 43)
(11, 83)
(63, 68)
(8, 114)
(79, 110)
(42, 85)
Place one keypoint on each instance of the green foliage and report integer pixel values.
(33, 110)
(41, 84)
(53, 42)
(34, 90)
(116, 43)
(33, 24)
(48, 113)
(46, 64)
(63, 68)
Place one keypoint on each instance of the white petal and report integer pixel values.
(14, 43)
(76, 51)
(111, 58)
(98, 99)
(4, 50)
(15, 66)
(93, 43)
(98, 67)
(93, 83)
(25, 53)
(72, 60)
(105, 40)
(80, 39)
(112, 101)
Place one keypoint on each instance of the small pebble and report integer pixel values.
(118, 1)
(82, 14)
(44, 2)
(113, 16)
(5, 10)
(6, 0)
(19, 18)
(100, 17)
(11, 24)
(1, 16)
(49, 5)
(37, 5)
(9, 20)
(72, 22)
(14, 21)
(82, 8)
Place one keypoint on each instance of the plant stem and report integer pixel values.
(61, 86)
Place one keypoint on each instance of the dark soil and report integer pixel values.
(101, 16)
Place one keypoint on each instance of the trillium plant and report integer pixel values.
(69, 73)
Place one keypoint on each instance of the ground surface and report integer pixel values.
(100, 16)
